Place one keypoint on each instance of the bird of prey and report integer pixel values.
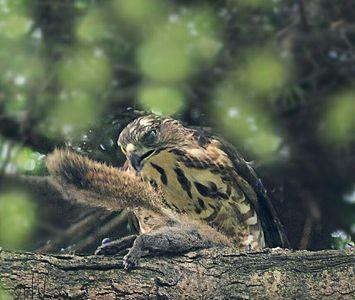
(203, 177)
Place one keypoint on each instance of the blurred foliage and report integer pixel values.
(87, 70)
(17, 220)
(254, 3)
(263, 72)
(163, 100)
(242, 119)
(91, 27)
(17, 159)
(4, 295)
(138, 12)
(274, 77)
(178, 45)
(341, 240)
(340, 117)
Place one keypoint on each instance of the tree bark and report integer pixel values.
(206, 274)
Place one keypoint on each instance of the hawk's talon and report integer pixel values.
(131, 259)
(108, 247)
(130, 262)
(105, 241)
(105, 249)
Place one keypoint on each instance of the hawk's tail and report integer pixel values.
(97, 184)
(273, 230)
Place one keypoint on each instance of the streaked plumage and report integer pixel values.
(203, 177)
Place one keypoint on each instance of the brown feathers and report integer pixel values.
(202, 176)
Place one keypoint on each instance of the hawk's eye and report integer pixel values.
(150, 136)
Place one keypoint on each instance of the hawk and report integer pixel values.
(203, 177)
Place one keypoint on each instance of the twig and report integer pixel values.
(303, 16)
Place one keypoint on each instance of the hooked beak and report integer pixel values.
(137, 161)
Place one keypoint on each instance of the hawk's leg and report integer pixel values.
(176, 239)
(114, 247)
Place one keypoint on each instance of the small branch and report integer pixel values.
(7, 158)
(303, 16)
(13, 130)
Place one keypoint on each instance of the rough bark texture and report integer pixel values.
(207, 274)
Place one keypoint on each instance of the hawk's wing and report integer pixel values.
(273, 229)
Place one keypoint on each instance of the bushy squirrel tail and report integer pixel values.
(97, 184)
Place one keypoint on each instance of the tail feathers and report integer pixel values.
(274, 233)
(98, 184)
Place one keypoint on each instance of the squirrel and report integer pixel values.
(188, 189)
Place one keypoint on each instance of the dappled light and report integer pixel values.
(86, 70)
(173, 50)
(162, 100)
(139, 13)
(262, 71)
(243, 120)
(92, 27)
(74, 111)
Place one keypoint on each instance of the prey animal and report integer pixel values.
(189, 190)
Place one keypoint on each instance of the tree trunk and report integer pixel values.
(206, 274)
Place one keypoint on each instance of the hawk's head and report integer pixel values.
(148, 136)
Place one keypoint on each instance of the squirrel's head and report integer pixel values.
(149, 135)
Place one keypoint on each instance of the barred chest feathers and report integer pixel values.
(205, 193)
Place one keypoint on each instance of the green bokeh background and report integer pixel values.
(260, 73)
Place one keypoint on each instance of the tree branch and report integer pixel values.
(213, 273)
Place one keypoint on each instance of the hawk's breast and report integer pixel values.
(204, 190)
